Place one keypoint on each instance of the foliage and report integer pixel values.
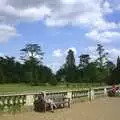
(32, 51)
(33, 72)
(70, 59)
(84, 61)
(102, 56)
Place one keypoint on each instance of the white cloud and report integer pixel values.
(113, 53)
(107, 7)
(69, 1)
(57, 53)
(63, 53)
(88, 13)
(7, 32)
(58, 12)
(34, 13)
(1, 55)
(104, 36)
(91, 50)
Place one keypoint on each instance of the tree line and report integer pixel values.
(32, 71)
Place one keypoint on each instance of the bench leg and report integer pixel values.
(45, 107)
(63, 105)
(69, 104)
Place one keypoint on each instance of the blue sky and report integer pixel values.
(60, 25)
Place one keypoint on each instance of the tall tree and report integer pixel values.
(91, 73)
(102, 56)
(70, 67)
(10, 70)
(84, 60)
(110, 66)
(70, 59)
(32, 51)
(101, 63)
(32, 55)
(118, 63)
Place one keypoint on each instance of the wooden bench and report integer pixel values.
(60, 102)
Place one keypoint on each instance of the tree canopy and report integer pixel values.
(32, 71)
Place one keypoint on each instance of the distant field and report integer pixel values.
(20, 88)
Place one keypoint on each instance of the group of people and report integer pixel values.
(115, 89)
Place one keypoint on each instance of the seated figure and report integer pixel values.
(49, 101)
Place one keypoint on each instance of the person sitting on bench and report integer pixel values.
(49, 101)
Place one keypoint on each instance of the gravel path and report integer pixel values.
(100, 109)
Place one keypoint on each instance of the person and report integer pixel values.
(49, 101)
(113, 89)
(117, 90)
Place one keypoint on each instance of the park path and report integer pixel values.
(100, 109)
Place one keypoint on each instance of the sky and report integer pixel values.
(60, 25)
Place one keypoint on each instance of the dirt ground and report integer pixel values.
(100, 109)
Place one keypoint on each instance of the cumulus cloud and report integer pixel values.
(107, 7)
(56, 12)
(63, 53)
(6, 32)
(57, 53)
(104, 36)
(113, 53)
(82, 12)
(89, 13)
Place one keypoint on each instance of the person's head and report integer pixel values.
(117, 88)
(40, 97)
(43, 94)
(113, 85)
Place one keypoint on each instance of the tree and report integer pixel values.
(114, 76)
(84, 60)
(32, 55)
(110, 66)
(60, 75)
(70, 59)
(70, 67)
(102, 56)
(32, 51)
(10, 70)
(118, 63)
(101, 63)
(91, 73)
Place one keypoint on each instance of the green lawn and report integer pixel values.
(24, 88)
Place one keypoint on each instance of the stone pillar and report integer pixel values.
(29, 100)
(69, 95)
(91, 94)
(105, 91)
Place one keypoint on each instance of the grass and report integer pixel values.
(25, 88)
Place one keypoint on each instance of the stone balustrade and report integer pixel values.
(14, 102)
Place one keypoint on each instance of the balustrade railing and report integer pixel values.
(13, 103)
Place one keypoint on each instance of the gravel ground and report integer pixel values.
(100, 109)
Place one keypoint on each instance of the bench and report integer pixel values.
(60, 102)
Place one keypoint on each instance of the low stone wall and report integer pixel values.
(15, 102)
